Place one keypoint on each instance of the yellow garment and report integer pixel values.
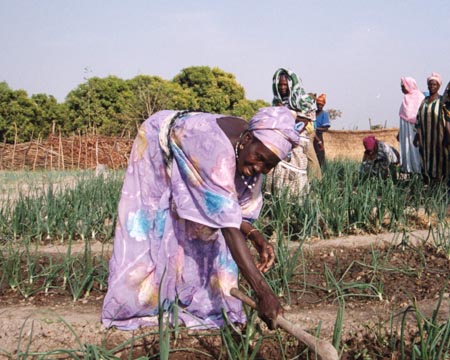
(314, 170)
(309, 128)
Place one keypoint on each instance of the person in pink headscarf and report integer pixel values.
(430, 134)
(409, 154)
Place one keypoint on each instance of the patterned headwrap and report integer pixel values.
(369, 143)
(298, 99)
(411, 100)
(435, 76)
(274, 127)
(322, 99)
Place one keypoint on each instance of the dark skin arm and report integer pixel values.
(265, 250)
(253, 155)
(268, 305)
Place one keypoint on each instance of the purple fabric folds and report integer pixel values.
(167, 244)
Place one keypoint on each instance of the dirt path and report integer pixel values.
(68, 325)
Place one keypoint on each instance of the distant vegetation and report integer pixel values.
(113, 106)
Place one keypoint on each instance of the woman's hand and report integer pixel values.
(264, 248)
(269, 308)
(268, 304)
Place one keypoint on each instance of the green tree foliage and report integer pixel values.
(49, 114)
(23, 118)
(17, 112)
(112, 106)
(247, 108)
(215, 90)
(101, 106)
(152, 94)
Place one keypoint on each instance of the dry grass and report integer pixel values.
(347, 144)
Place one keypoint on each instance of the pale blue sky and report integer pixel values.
(355, 51)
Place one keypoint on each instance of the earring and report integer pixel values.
(241, 147)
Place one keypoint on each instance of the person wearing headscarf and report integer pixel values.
(409, 154)
(287, 91)
(293, 170)
(380, 160)
(321, 125)
(191, 193)
(430, 134)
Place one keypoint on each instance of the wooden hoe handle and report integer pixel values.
(322, 348)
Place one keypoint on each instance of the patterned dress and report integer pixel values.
(431, 127)
(168, 245)
(291, 173)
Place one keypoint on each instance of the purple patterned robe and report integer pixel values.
(168, 242)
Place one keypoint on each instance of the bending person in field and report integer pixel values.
(191, 193)
(380, 160)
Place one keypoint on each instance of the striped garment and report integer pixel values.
(431, 127)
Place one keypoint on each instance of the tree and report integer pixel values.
(247, 108)
(152, 94)
(48, 113)
(215, 90)
(16, 114)
(101, 106)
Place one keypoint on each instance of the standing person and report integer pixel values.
(287, 91)
(192, 190)
(409, 154)
(430, 132)
(321, 125)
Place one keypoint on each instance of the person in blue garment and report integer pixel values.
(321, 125)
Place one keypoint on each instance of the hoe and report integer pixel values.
(322, 348)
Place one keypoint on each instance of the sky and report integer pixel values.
(355, 51)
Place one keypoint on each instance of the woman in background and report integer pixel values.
(430, 132)
(409, 154)
(287, 91)
(380, 160)
(321, 125)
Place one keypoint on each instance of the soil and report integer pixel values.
(404, 274)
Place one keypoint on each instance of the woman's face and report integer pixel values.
(255, 158)
(283, 86)
(404, 91)
(433, 87)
